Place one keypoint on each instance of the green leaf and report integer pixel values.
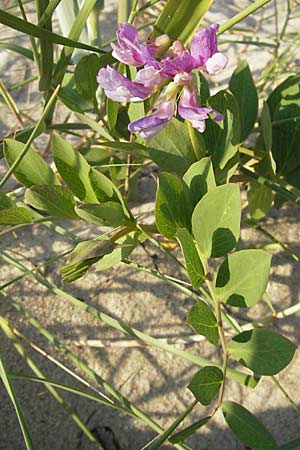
(112, 109)
(243, 88)
(216, 220)
(15, 216)
(90, 249)
(21, 136)
(222, 138)
(177, 21)
(5, 201)
(199, 179)
(30, 29)
(172, 209)
(55, 200)
(263, 351)
(247, 427)
(21, 418)
(73, 168)
(193, 263)
(243, 277)
(133, 148)
(135, 110)
(105, 190)
(290, 445)
(203, 321)
(109, 214)
(286, 130)
(17, 49)
(84, 255)
(266, 124)
(125, 246)
(172, 149)
(281, 91)
(70, 97)
(202, 87)
(32, 170)
(85, 75)
(206, 383)
(184, 434)
(100, 129)
(260, 200)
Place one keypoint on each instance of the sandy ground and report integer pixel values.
(153, 379)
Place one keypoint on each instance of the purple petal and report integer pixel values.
(216, 63)
(149, 77)
(178, 64)
(119, 88)
(128, 50)
(131, 57)
(150, 125)
(127, 33)
(204, 44)
(188, 109)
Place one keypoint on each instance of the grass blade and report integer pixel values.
(242, 378)
(33, 30)
(167, 433)
(21, 418)
(75, 391)
(46, 49)
(180, 18)
(242, 15)
(68, 408)
(17, 49)
(85, 368)
(48, 12)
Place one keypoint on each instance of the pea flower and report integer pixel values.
(188, 109)
(156, 67)
(130, 51)
(150, 125)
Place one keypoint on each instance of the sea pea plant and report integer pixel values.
(152, 106)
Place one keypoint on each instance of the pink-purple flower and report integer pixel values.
(150, 125)
(156, 67)
(188, 109)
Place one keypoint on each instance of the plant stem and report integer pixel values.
(218, 311)
(242, 378)
(242, 15)
(19, 347)
(90, 372)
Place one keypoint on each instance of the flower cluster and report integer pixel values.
(156, 67)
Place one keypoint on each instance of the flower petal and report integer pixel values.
(204, 44)
(150, 125)
(119, 88)
(216, 63)
(188, 109)
(149, 76)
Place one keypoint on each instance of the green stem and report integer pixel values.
(83, 366)
(275, 187)
(19, 347)
(31, 38)
(222, 337)
(22, 421)
(242, 15)
(242, 378)
(285, 393)
(164, 436)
